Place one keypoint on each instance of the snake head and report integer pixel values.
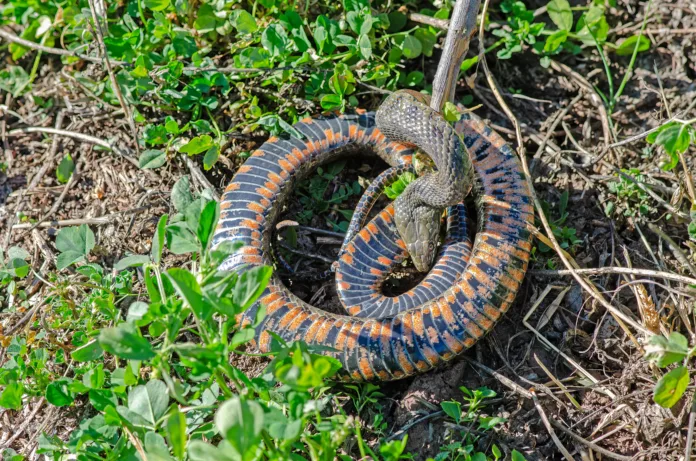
(419, 227)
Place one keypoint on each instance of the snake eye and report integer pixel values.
(431, 246)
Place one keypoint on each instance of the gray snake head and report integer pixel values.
(419, 227)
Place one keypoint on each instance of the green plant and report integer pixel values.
(629, 196)
(665, 352)
(363, 395)
(313, 197)
(567, 236)
(465, 420)
(153, 364)
(397, 187)
(675, 137)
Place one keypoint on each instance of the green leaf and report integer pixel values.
(468, 63)
(14, 80)
(365, 46)
(11, 397)
(627, 47)
(451, 113)
(240, 422)
(126, 342)
(88, 352)
(131, 261)
(206, 21)
(666, 351)
(201, 451)
(20, 253)
(207, 222)
(242, 336)
(102, 398)
(427, 39)
(414, 78)
(671, 387)
(152, 158)
(136, 311)
(171, 125)
(453, 410)
(561, 14)
(180, 239)
(197, 145)
(156, 5)
(181, 194)
(517, 456)
(275, 40)
(74, 244)
(65, 169)
(176, 432)
(555, 40)
(57, 394)
(675, 138)
(397, 21)
(18, 267)
(243, 21)
(250, 285)
(411, 47)
(149, 401)
(158, 239)
(188, 288)
(489, 422)
(331, 101)
(692, 230)
(211, 157)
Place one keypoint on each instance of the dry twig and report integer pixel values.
(548, 427)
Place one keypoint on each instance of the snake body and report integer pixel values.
(463, 295)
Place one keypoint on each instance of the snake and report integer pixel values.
(468, 286)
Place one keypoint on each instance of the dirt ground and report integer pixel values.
(572, 340)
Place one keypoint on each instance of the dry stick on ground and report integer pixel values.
(459, 32)
(504, 380)
(690, 433)
(112, 76)
(413, 423)
(78, 136)
(429, 20)
(10, 37)
(200, 178)
(617, 270)
(553, 126)
(24, 425)
(548, 427)
(680, 308)
(589, 444)
(89, 221)
(596, 100)
(314, 230)
(676, 251)
(588, 286)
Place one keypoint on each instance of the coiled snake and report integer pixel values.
(468, 288)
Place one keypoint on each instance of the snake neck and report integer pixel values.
(405, 117)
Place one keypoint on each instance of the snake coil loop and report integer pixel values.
(465, 292)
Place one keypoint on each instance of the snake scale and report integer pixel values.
(470, 285)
